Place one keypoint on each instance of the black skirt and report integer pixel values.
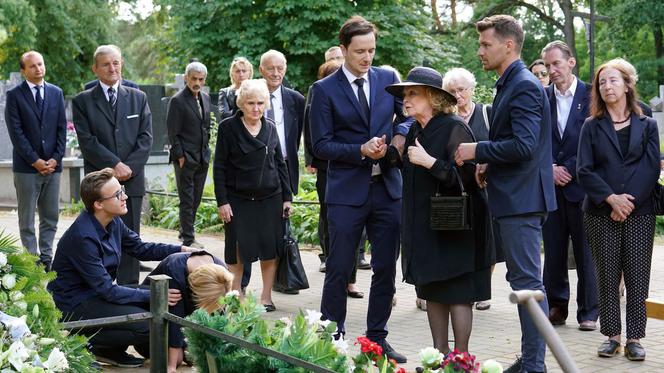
(256, 229)
(467, 288)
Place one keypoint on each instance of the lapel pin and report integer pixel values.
(578, 107)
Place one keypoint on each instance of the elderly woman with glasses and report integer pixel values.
(450, 269)
(241, 70)
(538, 68)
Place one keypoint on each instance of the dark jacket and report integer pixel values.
(603, 170)
(564, 149)
(124, 82)
(309, 158)
(108, 139)
(246, 166)
(429, 255)
(293, 105)
(188, 131)
(518, 152)
(87, 260)
(477, 124)
(227, 103)
(35, 134)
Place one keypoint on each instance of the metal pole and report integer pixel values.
(530, 299)
(591, 40)
(158, 324)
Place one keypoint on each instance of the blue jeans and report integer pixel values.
(521, 237)
(40, 192)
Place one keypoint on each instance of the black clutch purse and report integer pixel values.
(451, 213)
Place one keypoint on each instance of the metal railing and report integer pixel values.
(159, 317)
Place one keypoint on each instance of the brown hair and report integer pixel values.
(561, 46)
(208, 283)
(23, 57)
(439, 101)
(597, 104)
(355, 25)
(328, 68)
(538, 61)
(91, 187)
(505, 27)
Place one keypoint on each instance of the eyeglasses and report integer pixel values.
(541, 74)
(456, 92)
(117, 194)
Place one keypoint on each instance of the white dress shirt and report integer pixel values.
(278, 110)
(105, 88)
(564, 105)
(32, 90)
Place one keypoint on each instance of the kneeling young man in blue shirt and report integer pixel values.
(86, 262)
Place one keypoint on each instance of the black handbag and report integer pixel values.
(290, 272)
(657, 196)
(451, 213)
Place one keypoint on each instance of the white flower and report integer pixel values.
(56, 362)
(340, 344)
(17, 355)
(313, 317)
(16, 295)
(35, 311)
(3, 259)
(233, 293)
(23, 306)
(9, 281)
(431, 357)
(46, 341)
(287, 321)
(324, 323)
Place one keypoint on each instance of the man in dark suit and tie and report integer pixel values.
(569, 100)
(519, 173)
(114, 128)
(188, 123)
(124, 82)
(37, 127)
(354, 125)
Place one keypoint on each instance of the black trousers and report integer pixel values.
(323, 230)
(190, 181)
(128, 270)
(113, 337)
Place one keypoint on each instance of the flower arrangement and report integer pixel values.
(72, 138)
(31, 339)
(371, 359)
(433, 361)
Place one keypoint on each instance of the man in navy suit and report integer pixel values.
(114, 128)
(35, 118)
(124, 82)
(569, 100)
(354, 125)
(520, 178)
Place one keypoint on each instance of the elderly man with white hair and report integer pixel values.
(188, 123)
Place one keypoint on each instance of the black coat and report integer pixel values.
(430, 255)
(188, 131)
(227, 103)
(246, 166)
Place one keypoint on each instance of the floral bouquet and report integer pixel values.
(433, 361)
(372, 360)
(460, 362)
(72, 138)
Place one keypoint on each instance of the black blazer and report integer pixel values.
(227, 103)
(603, 170)
(107, 139)
(293, 103)
(309, 158)
(249, 167)
(35, 134)
(124, 82)
(188, 131)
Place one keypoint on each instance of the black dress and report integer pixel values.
(250, 174)
(451, 267)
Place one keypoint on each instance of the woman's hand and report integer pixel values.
(418, 156)
(621, 204)
(480, 175)
(287, 211)
(174, 297)
(225, 213)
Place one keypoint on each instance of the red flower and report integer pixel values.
(401, 370)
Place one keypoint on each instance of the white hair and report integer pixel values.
(195, 67)
(253, 88)
(103, 50)
(272, 54)
(456, 75)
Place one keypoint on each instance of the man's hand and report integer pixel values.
(374, 148)
(311, 170)
(41, 166)
(287, 210)
(561, 176)
(174, 297)
(480, 175)
(465, 152)
(122, 171)
(398, 141)
(225, 213)
(181, 161)
(419, 156)
(621, 205)
(187, 249)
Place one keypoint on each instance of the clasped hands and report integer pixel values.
(122, 172)
(561, 176)
(374, 148)
(45, 167)
(621, 205)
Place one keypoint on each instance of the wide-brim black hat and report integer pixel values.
(423, 77)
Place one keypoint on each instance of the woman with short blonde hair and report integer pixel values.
(241, 69)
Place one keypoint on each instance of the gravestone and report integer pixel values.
(5, 142)
(158, 109)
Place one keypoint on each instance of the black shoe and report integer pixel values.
(635, 352)
(517, 366)
(609, 348)
(363, 264)
(284, 290)
(119, 359)
(391, 353)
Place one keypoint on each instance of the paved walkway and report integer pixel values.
(496, 332)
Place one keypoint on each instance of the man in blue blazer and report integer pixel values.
(569, 100)
(520, 178)
(114, 128)
(35, 118)
(354, 125)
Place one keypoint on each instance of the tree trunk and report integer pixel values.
(436, 17)
(568, 28)
(454, 14)
(659, 53)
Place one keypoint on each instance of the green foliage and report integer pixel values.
(74, 208)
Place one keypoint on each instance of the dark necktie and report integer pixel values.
(364, 104)
(38, 98)
(111, 98)
(270, 113)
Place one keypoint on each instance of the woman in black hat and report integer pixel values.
(450, 269)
